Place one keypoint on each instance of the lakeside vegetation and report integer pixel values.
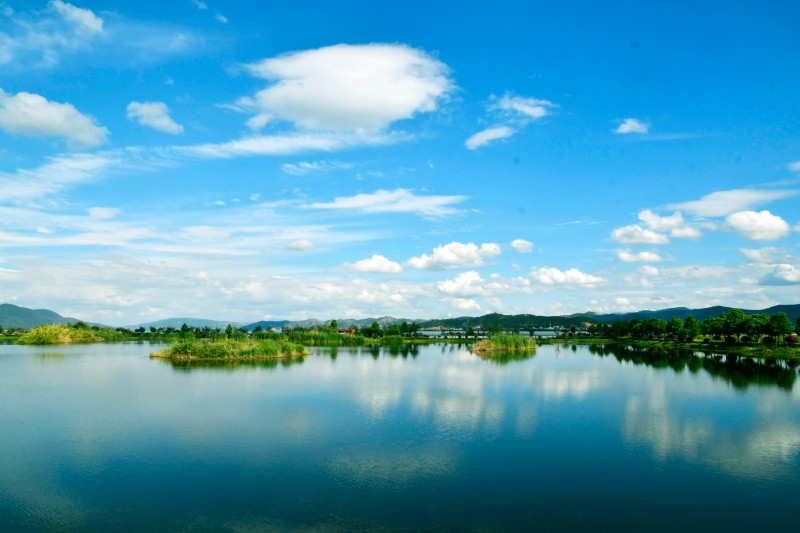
(231, 350)
(78, 333)
(502, 345)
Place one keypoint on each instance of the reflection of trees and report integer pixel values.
(186, 366)
(740, 372)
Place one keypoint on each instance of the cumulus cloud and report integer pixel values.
(522, 246)
(488, 136)
(554, 276)
(376, 263)
(300, 245)
(155, 115)
(465, 284)
(723, 203)
(464, 304)
(33, 115)
(642, 257)
(84, 19)
(350, 87)
(397, 201)
(674, 224)
(456, 255)
(782, 274)
(758, 226)
(635, 234)
(632, 125)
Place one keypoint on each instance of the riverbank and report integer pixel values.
(759, 351)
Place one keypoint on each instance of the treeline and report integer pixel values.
(731, 327)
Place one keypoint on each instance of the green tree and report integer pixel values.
(734, 322)
(334, 326)
(691, 328)
(675, 327)
(470, 331)
(394, 329)
(713, 326)
(780, 325)
(655, 326)
(229, 331)
(756, 326)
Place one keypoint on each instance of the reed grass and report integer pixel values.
(231, 349)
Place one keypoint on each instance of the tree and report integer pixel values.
(258, 329)
(691, 328)
(675, 327)
(470, 331)
(335, 326)
(734, 322)
(713, 326)
(229, 331)
(394, 329)
(756, 326)
(780, 325)
(655, 327)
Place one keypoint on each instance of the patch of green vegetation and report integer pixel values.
(59, 334)
(502, 345)
(231, 349)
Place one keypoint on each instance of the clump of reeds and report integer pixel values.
(58, 334)
(503, 344)
(231, 349)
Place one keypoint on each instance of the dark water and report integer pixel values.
(100, 438)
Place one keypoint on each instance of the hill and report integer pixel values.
(13, 316)
(510, 321)
(701, 314)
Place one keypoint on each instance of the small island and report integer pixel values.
(503, 344)
(245, 349)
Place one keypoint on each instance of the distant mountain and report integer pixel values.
(345, 322)
(177, 323)
(13, 316)
(701, 314)
(266, 324)
(509, 321)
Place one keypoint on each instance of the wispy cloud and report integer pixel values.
(488, 136)
(304, 168)
(723, 203)
(516, 112)
(396, 201)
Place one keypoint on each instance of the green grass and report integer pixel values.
(231, 350)
(503, 344)
(58, 334)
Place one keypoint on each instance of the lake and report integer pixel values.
(101, 438)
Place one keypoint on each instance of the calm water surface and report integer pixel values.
(100, 438)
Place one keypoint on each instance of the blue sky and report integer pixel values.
(246, 161)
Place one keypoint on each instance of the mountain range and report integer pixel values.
(13, 316)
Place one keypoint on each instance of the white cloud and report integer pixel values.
(622, 301)
(635, 234)
(522, 246)
(456, 255)
(723, 203)
(659, 223)
(351, 87)
(200, 5)
(221, 18)
(795, 166)
(309, 167)
(397, 201)
(768, 255)
(300, 245)
(35, 116)
(642, 257)
(525, 108)
(103, 213)
(573, 276)
(466, 284)
(286, 144)
(686, 232)
(376, 263)
(488, 135)
(649, 270)
(782, 274)
(155, 115)
(758, 226)
(465, 304)
(85, 19)
(632, 125)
